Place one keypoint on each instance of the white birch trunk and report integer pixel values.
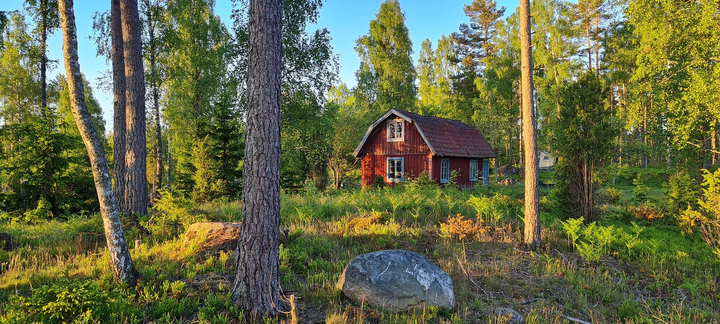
(120, 261)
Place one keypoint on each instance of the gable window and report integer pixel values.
(395, 169)
(473, 170)
(444, 170)
(395, 130)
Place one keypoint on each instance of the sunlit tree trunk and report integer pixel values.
(136, 191)
(119, 130)
(532, 210)
(120, 261)
(257, 287)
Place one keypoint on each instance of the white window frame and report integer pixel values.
(396, 125)
(444, 170)
(391, 175)
(474, 170)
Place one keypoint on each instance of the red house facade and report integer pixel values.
(401, 145)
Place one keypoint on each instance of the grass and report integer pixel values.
(621, 269)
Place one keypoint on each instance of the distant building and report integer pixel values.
(546, 160)
(401, 144)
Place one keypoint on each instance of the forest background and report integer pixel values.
(620, 87)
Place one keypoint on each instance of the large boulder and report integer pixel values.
(396, 280)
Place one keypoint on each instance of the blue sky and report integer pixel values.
(347, 20)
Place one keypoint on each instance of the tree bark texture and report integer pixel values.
(136, 191)
(119, 130)
(120, 261)
(532, 209)
(257, 288)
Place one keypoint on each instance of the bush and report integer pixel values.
(66, 301)
(681, 192)
(611, 196)
(173, 214)
(640, 192)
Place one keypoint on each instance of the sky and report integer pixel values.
(346, 20)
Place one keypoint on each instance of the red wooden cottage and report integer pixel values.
(402, 144)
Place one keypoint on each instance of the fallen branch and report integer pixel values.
(471, 280)
(576, 320)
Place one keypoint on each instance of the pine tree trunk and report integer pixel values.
(257, 288)
(136, 191)
(157, 184)
(119, 130)
(120, 261)
(43, 59)
(532, 209)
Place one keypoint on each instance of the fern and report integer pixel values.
(573, 228)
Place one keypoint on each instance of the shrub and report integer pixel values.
(66, 301)
(710, 207)
(640, 192)
(457, 227)
(681, 192)
(173, 214)
(647, 211)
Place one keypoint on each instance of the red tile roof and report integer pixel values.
(444, 137)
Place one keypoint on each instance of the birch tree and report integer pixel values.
(120, 261)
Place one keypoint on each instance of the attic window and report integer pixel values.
(395, 130)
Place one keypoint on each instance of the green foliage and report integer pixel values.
(640, 192)
(386, 66)
(496, 209)
(306, 143)
(216, 154)
(68, 301)
(710, 205)
(583, 139)
(174, 212)
(680, 192)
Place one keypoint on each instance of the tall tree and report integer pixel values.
(136, 191)
(532, 210)
(474, 46)
(436, 70)
(152, 13)
(583, 140)
(475, 40)
(257, 286)
(386, 64)
(195, 60)
(120, 260)
(45, 13)
(119, 99)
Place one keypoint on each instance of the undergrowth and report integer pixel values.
(621, 268)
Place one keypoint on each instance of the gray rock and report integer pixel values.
(509, 316)
(396, 280)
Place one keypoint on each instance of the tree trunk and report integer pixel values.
(119, 129)
(155, 84)
(136, 191)
(43, 59)
(120, 261)
(532, 209)
(257, 288)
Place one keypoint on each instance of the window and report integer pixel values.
(444, 171)
(395, 130)
(473, 170)
(395, 172)
(546, 158)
